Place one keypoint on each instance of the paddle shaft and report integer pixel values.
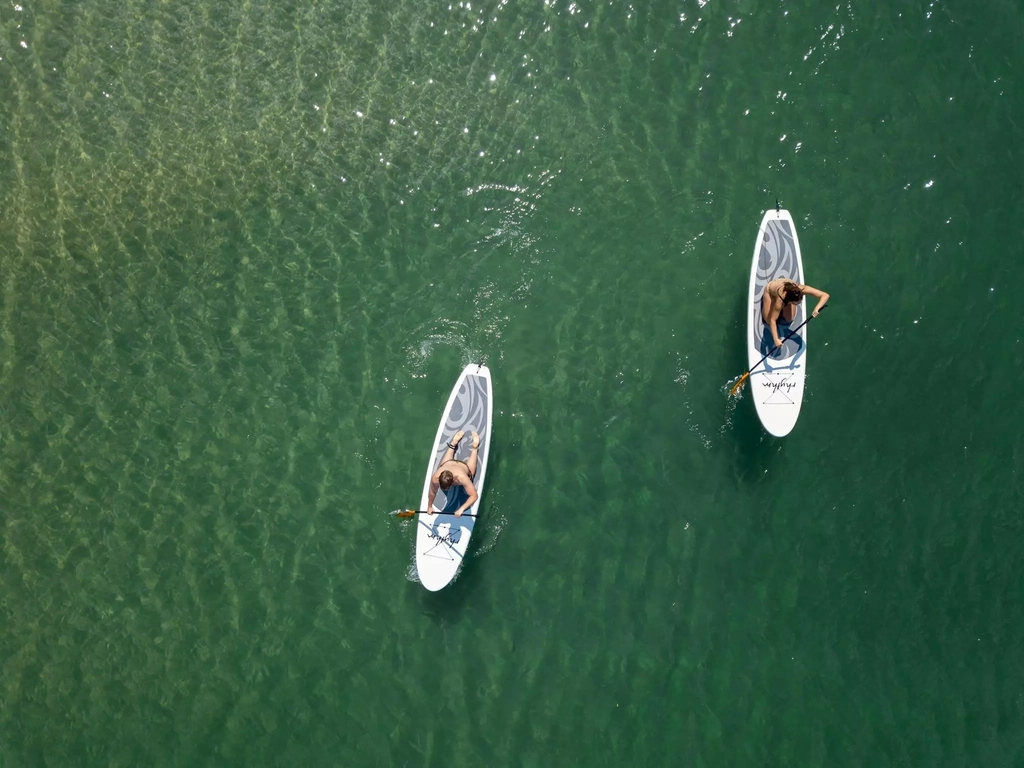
(411, 512)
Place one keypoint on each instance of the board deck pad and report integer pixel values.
(777, 384)
(442, 539)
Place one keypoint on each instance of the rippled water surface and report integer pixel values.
(246, 248)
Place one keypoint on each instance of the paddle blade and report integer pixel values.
(405, 513)
(739, 384)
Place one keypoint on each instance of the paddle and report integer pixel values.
(739, 384)
(406, 513)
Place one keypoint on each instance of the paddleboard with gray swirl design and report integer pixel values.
(442, 538)
(777, 385)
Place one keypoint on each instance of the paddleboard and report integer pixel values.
(777, 384)
(442, 539)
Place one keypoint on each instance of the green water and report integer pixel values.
(245, 249)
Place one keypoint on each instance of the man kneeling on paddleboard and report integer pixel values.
(452, 471)
(780, 300)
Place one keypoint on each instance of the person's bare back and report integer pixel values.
(779, 303)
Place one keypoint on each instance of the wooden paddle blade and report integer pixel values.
(739, 384)
(406, 513)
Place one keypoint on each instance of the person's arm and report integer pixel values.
(431, 495)
(773, 316)
(820, 295)
(473, 496)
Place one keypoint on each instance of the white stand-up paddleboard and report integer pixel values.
(442, 538)
(777, 384)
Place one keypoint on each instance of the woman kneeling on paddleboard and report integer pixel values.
(780, 301)
(452, 471)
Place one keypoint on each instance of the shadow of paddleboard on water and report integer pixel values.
(755, 450)
(447, 605)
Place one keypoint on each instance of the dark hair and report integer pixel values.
(794, 293)
(445, 480)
